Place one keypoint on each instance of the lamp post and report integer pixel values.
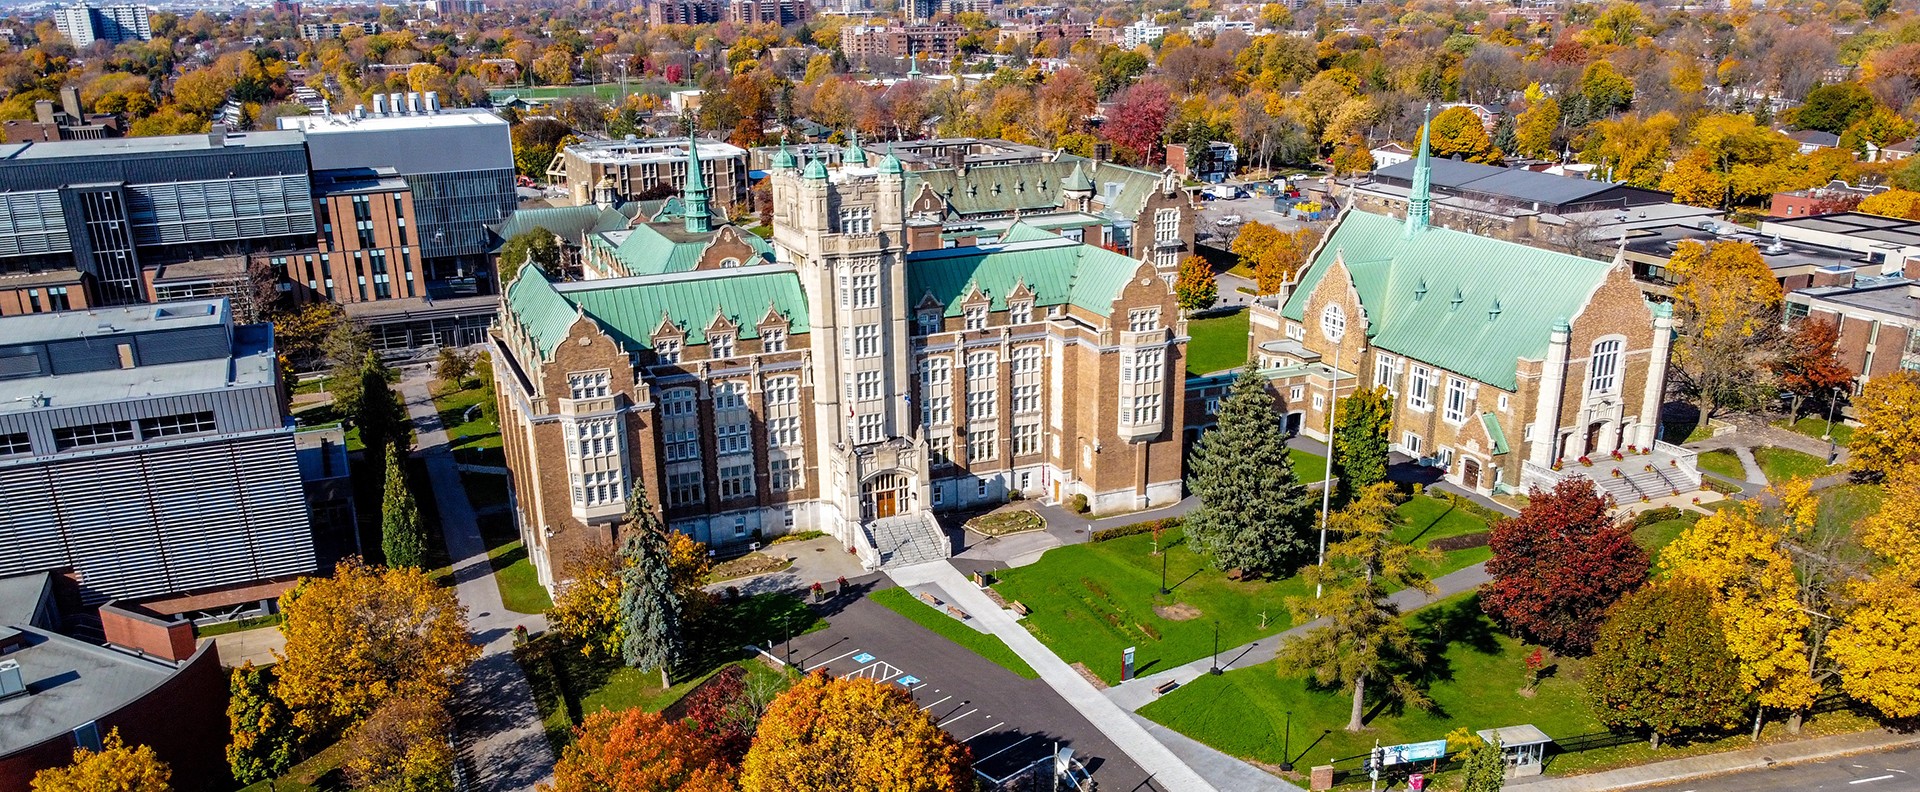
(1832, 399)
(1326, 484)
(1286, 751)
(1163, 572)
(1215, 670)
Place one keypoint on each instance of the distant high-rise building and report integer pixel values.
(779, 12)
(683, 12)
(114, 24)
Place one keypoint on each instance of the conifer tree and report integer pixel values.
(1253, 511)
(649, 604)
(401, 538)
(378, 413)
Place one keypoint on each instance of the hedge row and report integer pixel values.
(1134, 529)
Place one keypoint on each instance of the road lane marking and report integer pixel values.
(1875, 778)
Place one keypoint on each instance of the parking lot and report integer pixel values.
(1008, 722)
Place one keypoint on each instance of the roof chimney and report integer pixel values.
(433, 101)
(359, 112)
(394, 105)
(413, 103)
(43, 111)
(379, 104)
(70, 101)
(217, 135)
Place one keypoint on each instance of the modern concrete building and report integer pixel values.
(65, 121)
(115, 24)
(145, 451)
(1506, 364)
(859, 375)
(321, 31)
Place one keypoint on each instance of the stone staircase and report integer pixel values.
(1635, 481)
(907, 539)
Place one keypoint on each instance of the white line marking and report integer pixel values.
(1875, 778)
(1023, 741)
(943, 724)
(984, 731)
(811, 669)
(888, 677)
(937, 703)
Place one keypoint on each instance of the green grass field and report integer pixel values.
(1781, 464)
(1722, 462)
(990, 647)
(1219, 343)
(1654, 536)
(1090, 601)
(1815, 426)
(1308, 467)
(520, 589)
(605, 92)
(472, 434)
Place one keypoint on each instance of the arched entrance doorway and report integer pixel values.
(883, 496)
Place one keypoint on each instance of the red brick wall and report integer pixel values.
(154, 636)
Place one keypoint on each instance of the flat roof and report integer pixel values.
(1780, 254)
(250, 363)
(1517, 184)
(165, 144)
(345, 181)
(652, 150)
(69, 683)
(1524, 734)
(1895, 296)
(113, 320)
(335, 123)
(1874, 227)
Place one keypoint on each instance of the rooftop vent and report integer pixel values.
(1458, 298)
(1494, 312)
(379, 104)
(11, 682)
(1420, 291)
(1777, 247)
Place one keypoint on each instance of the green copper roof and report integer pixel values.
(1409, 287)
(1420, 196)
(569, 222)
(855, 155)
(661, 248)
(1058, 271)
(1077, 180)
(1033, 186)
(892, 163)
(816, 169)
(783, 159)
(1495, 434)
(630, 309)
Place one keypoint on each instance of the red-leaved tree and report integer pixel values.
(1139, 119)
(1559, 565)
(721, 712)
(638, 751)
(1809, 363)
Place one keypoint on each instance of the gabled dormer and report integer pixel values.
(772, 329)
(669, 341)
(1020, 303)
(723, 335)
(975, 308)
(929, 315)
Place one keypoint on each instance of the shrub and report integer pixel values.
(1078, 503)
(1135, 529)
(1448, 544)
(1662, 514)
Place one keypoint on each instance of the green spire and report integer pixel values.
(695, 193)
(783, 159)
(1420, 198)
(913, 65)
(816, 169)
(854, 156)
(891, 165)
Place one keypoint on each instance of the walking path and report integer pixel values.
(1166, 768)
(501, 739)
(1136, 693)
(1750, 466)
(1222, 770)
(1697, 767)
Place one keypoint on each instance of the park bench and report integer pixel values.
(927, 597)
(1165, 687)
(1020, 608)
(957, 613)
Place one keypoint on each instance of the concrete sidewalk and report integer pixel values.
(1693, 768)
(500, 736)
(1166, 768)
(1136, 693)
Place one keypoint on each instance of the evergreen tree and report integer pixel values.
(649, 604)
(1483, 768)
(1360, 440)
(1253, 511)
(1661, 664)
(265, 743)
(401, 538)
(378, 413)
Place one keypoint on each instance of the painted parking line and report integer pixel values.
(1023, 741)
(811, 669)
(943, 724)
(984, 731)
(935, 704)
(1865, 780)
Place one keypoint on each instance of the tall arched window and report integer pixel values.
(1603, 369)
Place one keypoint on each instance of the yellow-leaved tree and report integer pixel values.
(366, 635)
(1877, 647)
(113, 768)
(827, 735)
(1903, 204)
(1888, 438)
(587, 611)
(1728, 305)
(1741, 555)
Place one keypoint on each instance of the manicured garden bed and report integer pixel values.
(1091, 601)
(1007, 520)
(990, 647)
(747, 566)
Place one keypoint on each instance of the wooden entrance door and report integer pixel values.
(883, 495)
(885, 505)
(1470, 474)
(1593, 439)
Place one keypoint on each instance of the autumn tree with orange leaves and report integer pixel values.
(828, 735)
(638, 751)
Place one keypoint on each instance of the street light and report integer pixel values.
(1832, 399)
(1286, 752)
(1163, 573)
(1216, 650)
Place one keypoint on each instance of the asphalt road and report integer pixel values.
(1005, 720)
(1893, 771)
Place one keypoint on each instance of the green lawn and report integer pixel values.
(238, 625)
(1474, 681)
(605, 92)
(990, 647)
(325, 416)
(1815, 426)
(568, 685)
(1219, 343)
(1723, 462)
(520, 589)
(1781, 464)
(470, 430)
(1309, 467)
(310, 386)
(1652, 537)
(1088, 602)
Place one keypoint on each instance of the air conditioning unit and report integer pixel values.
(11, 682)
